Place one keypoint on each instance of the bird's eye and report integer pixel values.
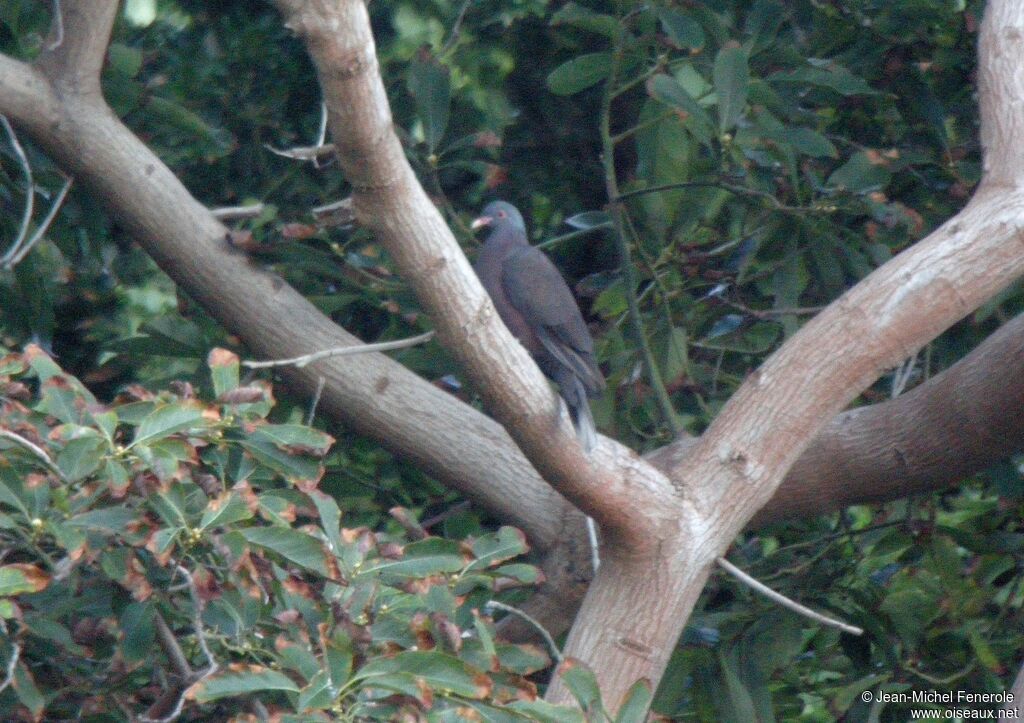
(502, 214)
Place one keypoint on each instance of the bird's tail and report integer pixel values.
(575, 395)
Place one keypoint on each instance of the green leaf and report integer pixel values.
(528, 574)
(544, 712)
(416, 567)
(295, 438)
(167, 420)
(863, 173)
(172, 506)
(431, 89)
(330, 518)
(683, 31)
(138, 631)
(496, 547)
(105, 519)
(638, 700)
(296, 469)
(224, 370)
(25, 688)
(225, 509)
(666, 89)
(580, 681)
(140, 13)
(420, 559)
(578, 16)
(579, 73)
(116, 476)
(731, 76)
(295, 546)
(441, 672)
(831, 75)
(522, 658)
(21, 577)
(124, 60)
(8, 494)
(81, 457)
(298, 658)
(240, 680)
(318, 694)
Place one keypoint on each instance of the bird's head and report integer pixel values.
(500, 214)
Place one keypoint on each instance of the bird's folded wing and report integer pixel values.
(534, 286)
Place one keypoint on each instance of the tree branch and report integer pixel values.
(375, 395)
(75, 62)
(390, 202)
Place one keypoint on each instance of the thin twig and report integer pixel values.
(555, 652)
(619, 137)
(58, 26)
(11, 665)
(595, 550)
(769, 313)
(442, 516)
(321, 134)
(197, 626)
(36, 450)
(197, 622)
(901, 375)
(43, 227)
(30, 189)
(775, 203)
(453, 36)
(302, 153)
(336, 213)
(784, 601)
(573, 234)
(172, 649)
(651, 368)
(305, 359)
(233, 213)
(311, 414)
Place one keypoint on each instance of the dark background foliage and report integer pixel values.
(796, 146)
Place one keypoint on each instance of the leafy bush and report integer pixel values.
(164, 520)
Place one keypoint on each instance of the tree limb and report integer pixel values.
(613, 486)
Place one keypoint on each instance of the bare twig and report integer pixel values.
(453, 36)
(337, 213)
(573, 234)
(36, 450)
(784, 601)
(58, 26)
(555, 652)
(311, 414)
(30, 189)
(233, 213)
(301, 361)
(182, 664)
(321, 134)
(20, 252)
(12, 663)
(197, 622)
(902, 374)
(303, 153)
(595, 550)
(442, 516)
(617, 210)
(169, 644)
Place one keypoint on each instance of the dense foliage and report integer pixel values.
(768, 156)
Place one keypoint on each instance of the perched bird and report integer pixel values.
(536, 305)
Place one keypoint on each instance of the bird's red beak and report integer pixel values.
(481, 222)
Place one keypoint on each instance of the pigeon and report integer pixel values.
(536, 305)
